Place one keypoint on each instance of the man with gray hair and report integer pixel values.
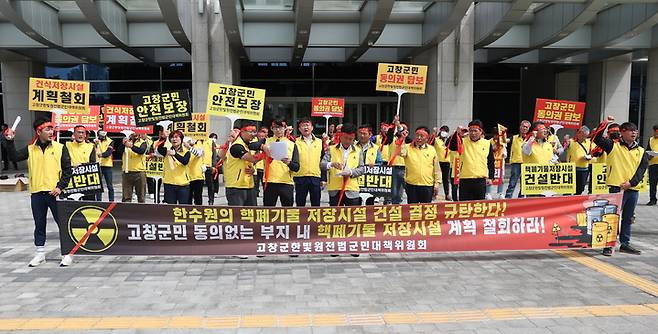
(578, 151)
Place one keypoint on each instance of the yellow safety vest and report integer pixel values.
(576, 153)
(371, 153)
(336, 181)
(399, 161)
(420, 170)
(177, 175)
(541, 154)
(79, 152)
(194, 171)
(653, 146)
(516, 155)
(136, 162)
(279, 172)
(44, 167)
(235, 175)
(309, 157)
(207, 152)
(474, 160)
(622, 164)
(440, 148)
(102, 147)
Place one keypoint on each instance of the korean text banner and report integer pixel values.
(411, 78)
(68, 121)
(547, 179)
(598, 184)
(241, 102)
(321, 106)
(117, 118)
(569, 114)
(377, 180)
(86, 179)
(48, 94)
(155, 167)
(518, 224)
(155, 107)
(196, 128)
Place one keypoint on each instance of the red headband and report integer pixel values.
(248, 128)
(540, 127)
(45, 125)
(422, 131)
(613, 129)
(474, 126)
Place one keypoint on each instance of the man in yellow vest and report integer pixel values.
(278, 173)
(516, 158)
(396, 139)
(308, 180)
(104, 149)
(81, 151)
(653, 166)
(370, 151)
(239, 167)
(133, 176)
(344, 164)
(579, 152)
(477, 163)
(626, 163)
(49, 168)
(422, 174)
(537, 149)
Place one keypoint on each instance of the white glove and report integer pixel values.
(588, 157)
(345, 172)
(204, 168)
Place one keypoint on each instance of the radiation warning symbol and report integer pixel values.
(599, 237)
(102, 237)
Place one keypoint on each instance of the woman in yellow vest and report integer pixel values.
(422, 173)
(49, 168)
(196, 168)
(344, 165)
(476, 161)
(626, 163)
(278, 173)
(176, 181)
(579, 152)
(516, 158)
(396, 139)
(653, 166)
(439, 144)
(104, 149)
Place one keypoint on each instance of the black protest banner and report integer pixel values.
(86, 180)
(155, 107)
(377, 181)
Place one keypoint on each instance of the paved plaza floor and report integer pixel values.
(471, 292)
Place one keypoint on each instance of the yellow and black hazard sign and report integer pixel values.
(101, 237)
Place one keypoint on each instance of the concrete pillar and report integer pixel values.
(15, 94)
(609, 90)
(651, 106)
(212, 60)
(448, 97)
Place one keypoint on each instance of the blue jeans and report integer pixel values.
(515, 174)
(107, 176)
(628, 203)
(41, 202)
(307, 185)
(398, 184)
(176, 194)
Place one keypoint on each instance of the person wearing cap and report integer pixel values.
(516, 158)
(396, 139)
(308, 179)
(344, 164)
(652, 145)
(81, 151)
(175, 179)
(239, 166)
(578, 151)
(104, 148)
(626, 163)
(422, 174)
(476, 161)
(439, 140)
(133, 177)
(278, 173)
(49, 168)
(537, 149)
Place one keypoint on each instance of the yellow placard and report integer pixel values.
(49, 94)
(599, 174)
(242, 102)
(155, 167)
(391, 77)
(197, 128)
(538, 179)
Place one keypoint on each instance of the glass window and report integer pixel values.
(369, 116)
(96, 72)
(63, 72)
(134, 72)
(340, 5)
(177, 85)
(177, 71)
(268, 4)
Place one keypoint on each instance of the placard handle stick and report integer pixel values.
(326, 126)
(399, 92)
(18, 120)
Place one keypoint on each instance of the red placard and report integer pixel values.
(120, 117)
(325, 106)
(68, 121)
(569, 114)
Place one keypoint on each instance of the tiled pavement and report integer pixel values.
(370, 294)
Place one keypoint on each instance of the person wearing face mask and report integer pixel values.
(81, 151)
(598, 154)
(175, 179)
(396, 139)
(308, 179)
(626, 163)
(49, 168)
(104, 149)
(477, 162)
(439, 140)
(516, 158)
(422, 173)
(278, 173)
